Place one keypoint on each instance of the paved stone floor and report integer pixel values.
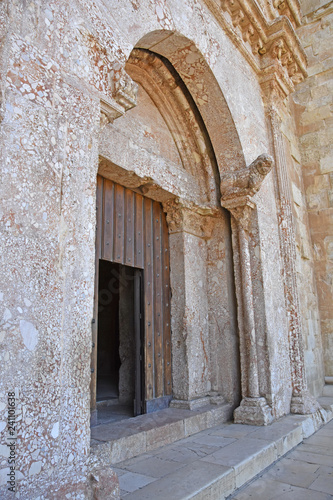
(213, 463)
(306, 473)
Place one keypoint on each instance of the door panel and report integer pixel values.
(132, 230)
(138, 330)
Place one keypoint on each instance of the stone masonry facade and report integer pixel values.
(219, 110)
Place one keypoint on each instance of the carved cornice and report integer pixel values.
(117, 91)
(124, 89)
(269, 44)
(124, 93)
(289, 8)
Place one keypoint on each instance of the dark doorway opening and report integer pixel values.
(119, 342)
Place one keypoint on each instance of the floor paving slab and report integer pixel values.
(213, 463)
(294, 472)
(320, 441)
(186, 483)
(233, 430)
(321, 450)
(268, 489)
(311, 458)
(131, 481)
(217, 441)
(186, 454)
(323, 483)
(156, 466)
(299, 476)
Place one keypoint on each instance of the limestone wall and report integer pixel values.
(313, 112)
(56, 61)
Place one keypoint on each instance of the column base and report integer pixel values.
(253, 411)
(304, 403)
(191, 404)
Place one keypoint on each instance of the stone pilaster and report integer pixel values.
(188, 232)
(302, 401)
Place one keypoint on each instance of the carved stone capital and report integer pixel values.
(190, 218)
(241, 209)
(110, 110)
(174, 214)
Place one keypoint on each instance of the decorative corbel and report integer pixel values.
(124, 95)
(237, 190)
(245, 182)
(124, 89)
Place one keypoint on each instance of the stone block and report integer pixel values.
(315, 115)
(127, 447)
(156, 467)
(250, 468)
(164, 435)
(219, 414)
(285, 435)
(195, 424)
(297, 195)
(247, 456)
(131, 481)
(326, 163)
(293, 472)
(220, 488)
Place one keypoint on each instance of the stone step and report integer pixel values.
(328, 390)
(214, 463)
(118, 441)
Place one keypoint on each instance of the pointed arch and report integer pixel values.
(205, 91)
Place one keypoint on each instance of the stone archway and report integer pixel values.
(239, 185)
(205, 356)
(201, 83)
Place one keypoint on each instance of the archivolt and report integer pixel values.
(171, 97)
(205, 91)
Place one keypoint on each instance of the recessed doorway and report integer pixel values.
(119, 342)
(131, 331)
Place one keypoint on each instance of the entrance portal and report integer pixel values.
(131, 357)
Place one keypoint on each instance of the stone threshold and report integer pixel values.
(118, 441)
(246, 452)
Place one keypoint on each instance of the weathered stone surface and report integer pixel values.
(313, 99)
(175, 100)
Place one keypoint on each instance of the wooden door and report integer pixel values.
(132, 230)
